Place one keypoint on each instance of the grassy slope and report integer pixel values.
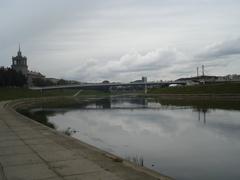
(227, 88)
(17, 93)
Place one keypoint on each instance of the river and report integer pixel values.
(184, 140)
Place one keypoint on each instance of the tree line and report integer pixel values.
(11, 78)
(41, 82)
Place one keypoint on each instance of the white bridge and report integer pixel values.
(109, 85)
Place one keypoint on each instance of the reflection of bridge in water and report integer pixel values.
(144, 103)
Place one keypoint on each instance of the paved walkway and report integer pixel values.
(29, 151)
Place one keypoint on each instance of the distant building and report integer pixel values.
(34, 75)
(53, 80)
(232, 77)
(199, 79)
(144, 79)
(19, 63)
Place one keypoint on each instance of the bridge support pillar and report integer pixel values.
(145, 89)
(110, 89)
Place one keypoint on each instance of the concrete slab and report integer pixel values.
(29, 172)
(13, 122)
(22, 129)
(20, 159)
(69, 143)
(3, 125)
(29, 135)
(55, 178)
(101, 175)
(11, 143)
(74, 167)
(50, 147)
(23, 132)
(47, 133)
(6, 133)
(58, 155)
(90, 154)
(5, 130)
(14, 151)
(16, 124)
(9, 138)
(38, 141)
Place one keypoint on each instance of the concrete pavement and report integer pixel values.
(29, 151)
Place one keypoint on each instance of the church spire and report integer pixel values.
(19, 51)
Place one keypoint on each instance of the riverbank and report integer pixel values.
(226, 91)
(30, 150)
(19, 93)
(197, 97)
(11, 93)
(207, 89)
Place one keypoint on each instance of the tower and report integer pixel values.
(203, 70)
(19, 63)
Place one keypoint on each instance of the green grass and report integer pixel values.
(226, 88)
(18, 93)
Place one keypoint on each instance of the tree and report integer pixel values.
(11, 78)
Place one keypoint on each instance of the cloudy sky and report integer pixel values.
(94, 40)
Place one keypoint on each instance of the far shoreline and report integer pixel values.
(218, 92)
(218, 97)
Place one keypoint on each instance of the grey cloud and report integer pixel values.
(223, 49)
(132, 63)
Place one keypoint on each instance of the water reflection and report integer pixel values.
(119, 103)
(202, 114)
(186, 140)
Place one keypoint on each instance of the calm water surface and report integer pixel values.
(183, 141)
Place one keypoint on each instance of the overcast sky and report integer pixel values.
(94, 40)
